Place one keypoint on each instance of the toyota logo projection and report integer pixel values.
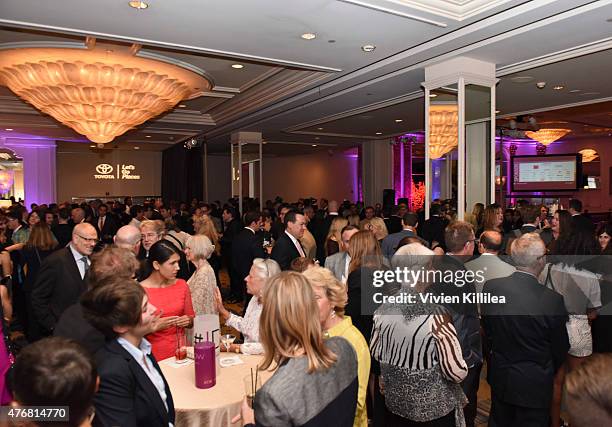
(106, 171)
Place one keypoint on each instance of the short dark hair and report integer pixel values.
(457, 234)
(348, 228)
(230, 210)
(115, 303)
(435, 209)
(64, 213)
(576, 205)
(251, 217)
(530, 214)
(160, 251)
(291, 216)
(410, 219)
(55, 371)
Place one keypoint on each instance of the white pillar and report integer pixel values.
(377, 173)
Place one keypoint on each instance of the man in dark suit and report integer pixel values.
(527, 338)
(579, 221)
(409, 227)
(460, 242)
(321, 228)
(278, 226)
(288, 246)
(233, 226)
(432, 229)
(61, 279)
(62, 230)
(133, 391)
(394, 222)
(105, 224)
(530, 215)
(245, 248)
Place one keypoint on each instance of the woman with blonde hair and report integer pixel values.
(377, 226)
(202, 283)
(493, 218)
(331, 298)
(333, 239)
(206, 226)
(322, 371)
(366, 257)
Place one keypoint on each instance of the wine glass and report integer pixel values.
(227, 340)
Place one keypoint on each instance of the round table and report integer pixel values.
(216, 406)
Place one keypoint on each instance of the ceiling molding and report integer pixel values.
(551, 58)
(226, 89)
(351, 135)
(214, 104)
(44, 44)
(260, 78)
(214, 95)
(159, 43)
(557, 107)
(187, 117)
(266, 93)
(395, 12)
(355, 111)
(458, 10)
(186, 65)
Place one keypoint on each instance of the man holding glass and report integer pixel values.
(61, 279)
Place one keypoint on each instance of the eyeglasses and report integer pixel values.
(89, 240)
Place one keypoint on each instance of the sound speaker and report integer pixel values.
(388, 198)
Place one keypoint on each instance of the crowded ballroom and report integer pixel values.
(323, 213)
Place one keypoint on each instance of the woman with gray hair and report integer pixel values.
(261, 271)
(202, 283)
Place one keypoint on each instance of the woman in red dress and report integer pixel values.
(170, 295)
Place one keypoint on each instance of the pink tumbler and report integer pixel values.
(205, 364)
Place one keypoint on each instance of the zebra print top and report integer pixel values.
(417, 342)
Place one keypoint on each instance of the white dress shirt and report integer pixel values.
(79, 260)
(140, 354)
(297, 244)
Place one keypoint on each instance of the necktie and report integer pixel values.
(85, 264)
(101, 223)
(300, 249)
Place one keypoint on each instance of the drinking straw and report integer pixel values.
(255, 389)
(252, 385)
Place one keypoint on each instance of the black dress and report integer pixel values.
(32, 259)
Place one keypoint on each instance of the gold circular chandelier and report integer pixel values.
(443, 129)
(547, 136)
(99, 92)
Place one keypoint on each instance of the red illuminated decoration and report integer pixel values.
(417, 196)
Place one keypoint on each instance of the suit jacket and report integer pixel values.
(336, 263)
(109, 229)
(284, 251)
(389, 243)
(527, 338)
(127, 397)
(394, 224)
(72, 324)
(58, 286)
(491, 267)
(63, 234)
(433, 230)
(581, 222)
(246, 247)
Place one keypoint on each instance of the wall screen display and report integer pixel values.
(546, 173)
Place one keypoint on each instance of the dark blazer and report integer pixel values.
(582, 223)
(284, 251)
(127, 397)
(527, 339)
(394, 224)
(63, 234)
(58, 286)
(109, 229)
(433, 230)
(72, 324)
(246, 247)
(363, 322)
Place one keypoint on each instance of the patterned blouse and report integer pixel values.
(202, 285)
(421, 362)
(249, 326)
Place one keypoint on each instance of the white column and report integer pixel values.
(377, 174)
(476, 178)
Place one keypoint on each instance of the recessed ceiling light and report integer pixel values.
(433, 95)
(398, 120)
(558, 87)
(308, 36)
(147, 136)
(314, 145)
(317, 138)
(575, 90)
(319, 128)
(182, 106)
(92, 146)
(136, 148)
(378, 133)
(368, 47)
(237, 66)
(138, 4)
(497, 111)
(8, 129)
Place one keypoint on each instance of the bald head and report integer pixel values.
(128, 237)
(490, 242)
(77, 215)
(84, 238)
